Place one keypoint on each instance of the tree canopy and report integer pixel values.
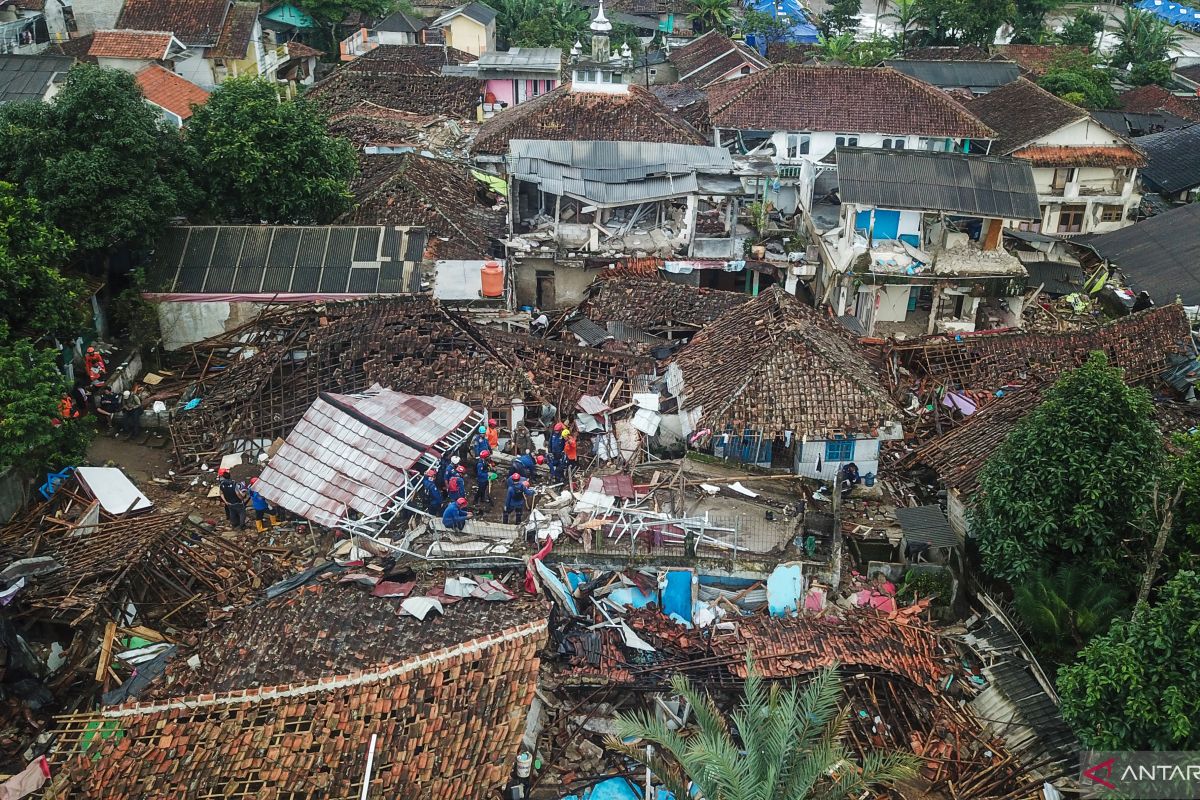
(259, 159)
(713, 15)
(1081, 29)
(1144, 43)
(37, 299)
(1064, 609)
(1137, 687)
(842, 17)
(1079, 78)
(331, 12)
(962, 21)
(107, 171)
(1071, 481)
(32, 435)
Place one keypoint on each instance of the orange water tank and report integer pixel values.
(492, 276)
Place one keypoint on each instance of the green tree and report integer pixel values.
(1151, 72)
(32, 435)
(766, 28)
(904, 14)
(871, 52)
(1081, 79)
(1137, 687)
(842, 17)
(1072, 480)
(1143, 38)
(37, 299)
(263, 160)
(1029, 20)
(1063, 610)
(713, 15)
(1081, 30)
(106, 169)
(334, 11)
(840, 48)
(973, 22)
(1183, 547)
(788, 744)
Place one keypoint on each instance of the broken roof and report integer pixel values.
(275, 261)
(1160, 255)
(1151, 98)
(416, 190)
(402, 78)
(137, 45)
(775, 364)
(354, 453)
(985, 186)
(1021, 113)
(1173, 159)
(711, 57)
(449, 721)
(196, 23)
(29, 77)
(237, 32)
(980, 76)
(656, 302)
(610, 173)
(564, 115)
(790, 97)
(368, 125)
(169, 91)
(406, 59)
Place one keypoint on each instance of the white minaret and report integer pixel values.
(601, 70)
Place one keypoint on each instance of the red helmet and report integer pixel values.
(431, 473)
(541, 459)
(486, 454)
(461, 470)
(91, 349)
(516, 476)
(558, 426)
(222, 471)
(254, 480)
(452, 484)
(493, 423)
(462, 501)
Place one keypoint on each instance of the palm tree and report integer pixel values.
(1063, 610)
(905, 16)
(788, 745)
(1143, 37)
(840, 48)
(713, 15)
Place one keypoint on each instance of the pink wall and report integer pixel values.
(503, 89)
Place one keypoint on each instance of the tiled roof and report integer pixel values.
(1139, 344)
(75, 48)
(565, 115)
(168, 90)
(403, 78)
(788, 97)
(301, 50)
(147, 45)
(791, 53)
(1173, 159)
(448, 721)
(366, 124)
(236, 33)
(1158, 255)
(196, 23)
(958, 455)
(1036, 59)
(353, 453)
(712, 56)
(1090, 156)
(1022, 112)
(1148, 99)
(775, 364)
(656, 302)
(407, 59)
(442, 196)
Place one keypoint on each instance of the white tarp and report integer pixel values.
(116, 493)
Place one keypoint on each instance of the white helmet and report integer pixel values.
(455, 459)
(125, 393)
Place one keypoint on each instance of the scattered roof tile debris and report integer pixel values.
(403, 78)
(656, 302)
(196, 23)
(789, 97)
(776, 365)
(565, 115)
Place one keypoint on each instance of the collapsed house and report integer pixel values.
(772, 383)
(402, 78)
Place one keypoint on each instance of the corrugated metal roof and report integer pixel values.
(959, 74)
(592, 334)
(927, 525)
(353, 452)
(523, 59)
(28, 77)
(984, 186)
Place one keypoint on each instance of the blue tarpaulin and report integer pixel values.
(801, 32)
(1175, 13)
(677, 594)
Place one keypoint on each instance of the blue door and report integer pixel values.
(887, 223)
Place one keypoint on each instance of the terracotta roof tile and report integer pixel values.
(76, 48)
(168, 90)
(196, 23)
(565, 115)
(1051, 156)
(1036, 59)
(403, 78)
(148, 45)
(1148, 99)
(712, 56)
(237, 32)
(1021, 112)
(775, 364)
(301, 50)
(790, 53)
(655, 302)
(789, 97)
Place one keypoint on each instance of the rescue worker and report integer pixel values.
(108, 405)
(556, 440)
(65, 408)
(456, 515)
(514, 502)
(442, 468)
(483, 471)
(93, 363)
(450, 470)
(558, 467)
(131, 408)
(233, 498)
(493, 435)
(81, 398)
(455, 490)
(480, 442)
(513, 480)
(433, 495)
(527, 464)
(261, 508)
(569, 449)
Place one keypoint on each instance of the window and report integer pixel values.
(653, 73)
(797, 144)
(839, 450)
(936, 145)
(1062, 177)
(1112, 213)
(846, 140)
(893, 144)
(1070, 219)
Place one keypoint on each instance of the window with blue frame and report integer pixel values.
(839, 450)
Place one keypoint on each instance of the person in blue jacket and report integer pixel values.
(558, 466)
(260, 505)
(480, 442)
(527, 465)
(450, 470)
(483, 473)
(433, 495)
(514, 503)
(557, 442)
(456, 515)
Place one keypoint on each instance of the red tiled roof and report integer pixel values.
(1148, 99)
(196, 23)
(301, 50)
(1022, 111)
(790, 97)
(167, 90)
(1092, 156)
(711, 57)
(236, 33)
(147, 45)
(1036, 59)
(565, 115)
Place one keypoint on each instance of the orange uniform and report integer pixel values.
(493, 437)
(569, 448)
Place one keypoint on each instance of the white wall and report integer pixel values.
(185, 323)
(893, 303)
(126, 64)
(94, 15)
(197, 69)
(866, 456)
(822, 143)
(394, 37)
